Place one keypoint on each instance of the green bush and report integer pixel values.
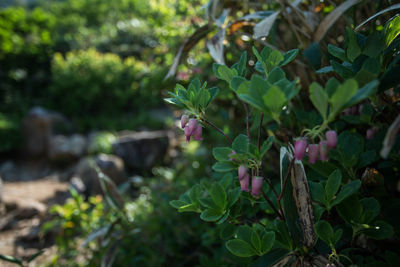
(89, 84)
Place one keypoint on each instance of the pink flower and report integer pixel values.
(323, 150)
(197, 133)
(188, 134)
(331, 138)
(193, 128)
(312, 153)
(244, 183)
(184, 120)
(256, 185)
(242, 172)
(300, 148)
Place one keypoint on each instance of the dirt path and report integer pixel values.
(27, 206)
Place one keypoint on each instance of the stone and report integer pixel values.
(37, 127)
(66, 148)
(141, 150)
(111, 165)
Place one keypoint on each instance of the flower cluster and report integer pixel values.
(192, 128)
(316, 151)
(244, 178)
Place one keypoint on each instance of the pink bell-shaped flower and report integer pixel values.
(256, 186)
(242, 172)
(197, 133)
(323, 151)
(300, 148)
(313, 153)
(244, 183)
(192, 125)
(188, 134)
(184, 121)
(331, 138)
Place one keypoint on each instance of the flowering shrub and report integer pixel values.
(324, 211)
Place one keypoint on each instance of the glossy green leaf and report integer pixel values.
(333, 184)
(289, 56)
(325, 232)
(353, 48)
(256, 241)
(337, 52)
(274, 99)
(218, 195)
(346, 191)
(211, 215)
(266, 145)
(392, 30)
(319, 98)
(341, 96)
(240, 143)
(267, 241)
(222, 153)
(240, 248)
(224, 166)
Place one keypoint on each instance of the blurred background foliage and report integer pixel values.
(102, 64)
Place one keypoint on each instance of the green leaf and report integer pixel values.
(222, 153)
(240, 144)
(344, 71)
(276, 75)
(392, 30)
(208, 203)
(353, 48)
(371, 209)
(244, 232)
(337, 52)
(241, 65)
(211, 215)
(268, 241)
(341, 96)
(266, 145)
(350, 210)
(337, 236)
(240, 248)
(325, 232)
(363, 93)
(178, 203)
(324, 70)
(213, 93)
(224, 166)
(240, 85)
(227, 231)
(11, 259)
(350, 145)
(379, 230)
(333, 184)
(189, 208)
(274, 99)
(203, 98)
(346, 191)
(218, 195)
(313, 55)
(317, 192)
(319, 98)
(233, 196)
(289, 56)
(256, 241)
(374, 45)
(225, 73)
(366, 158)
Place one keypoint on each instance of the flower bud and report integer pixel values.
(323, 150)
(256, 185)
(360, 109)
(347, 111)
(244, 183)
(184, 121)
(197, 133)
(188, 134)
(331, 138)
(312, 153)
(370, 133)
(192, 125)
(242, 172)
(300, 148)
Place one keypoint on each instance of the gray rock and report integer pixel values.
(37, 127)
(66, 148)
(141, 150)
(111, 165)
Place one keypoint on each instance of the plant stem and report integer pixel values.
(218, 129)
(286, 178)
(271, 204)
(247, 119)
(259, 130)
